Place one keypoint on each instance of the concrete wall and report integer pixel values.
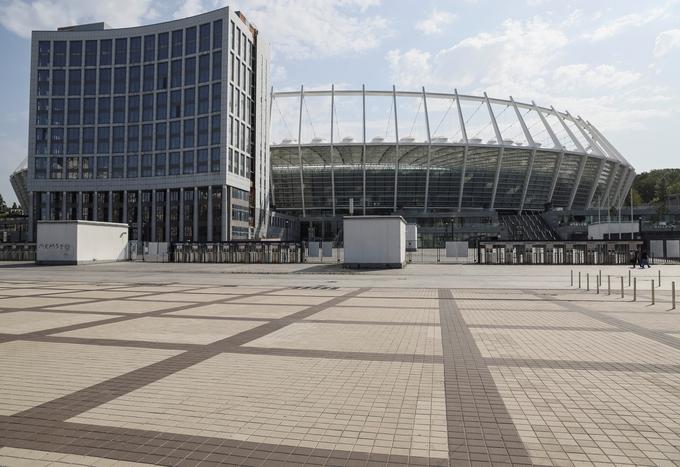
(78, 242)
(375, 241)
(597, 231)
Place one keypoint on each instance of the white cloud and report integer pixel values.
(190, 8)
(23, 16)
(618, 25)
(410, 67)
(666, 41)
(435, 23)
(580, 75)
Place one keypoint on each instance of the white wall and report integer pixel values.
(597, 231)
(374, 240)
(76, 242)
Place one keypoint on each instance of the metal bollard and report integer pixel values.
(635, 289)
(673, 295)
(659, 277)
(599, 278)
(598, 286)
(579, 279)
(609, 284)
(587, 282)
(629, 278)
(652, 291)
(622, 295)
(572, 277)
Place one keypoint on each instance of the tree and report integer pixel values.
(3, 205)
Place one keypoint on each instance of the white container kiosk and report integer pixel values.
(374, 241)
(80, 242)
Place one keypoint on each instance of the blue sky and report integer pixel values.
(615, 62)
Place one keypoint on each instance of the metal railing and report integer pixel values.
(17, 251)
(248, 252)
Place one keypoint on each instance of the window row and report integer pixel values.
(129, 166)
(122, 80)
(131, 109)
(178, 134)
(239, 163)
(243, 46)
(121, 51)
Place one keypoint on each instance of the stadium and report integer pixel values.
(475, 164)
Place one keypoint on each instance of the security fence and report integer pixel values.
(237, 252)
(17, 251)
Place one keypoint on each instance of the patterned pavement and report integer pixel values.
(147, 374)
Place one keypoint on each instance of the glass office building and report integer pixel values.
(163, 127)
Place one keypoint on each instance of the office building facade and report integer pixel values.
(163, 127)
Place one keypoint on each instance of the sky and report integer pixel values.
(614, 62)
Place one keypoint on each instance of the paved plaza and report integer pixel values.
(197, 364)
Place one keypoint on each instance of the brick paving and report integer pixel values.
(150, 374)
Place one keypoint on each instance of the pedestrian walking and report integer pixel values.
(634, 257)
(644, 260)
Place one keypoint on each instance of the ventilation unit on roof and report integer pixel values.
(347, 139)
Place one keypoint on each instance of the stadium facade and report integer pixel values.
(163, 127)
(443, 160)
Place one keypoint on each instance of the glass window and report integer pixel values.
(174, 163)
(89, 105)
(73, 117)
(88, 140)
(162, 76)
(188, 162)
(117, 166)
(175, 104)
(119, 80)
(217, 66)
(175, 134)
(118, 139)
(133, 109)
(188, 133)
(103, 140)
(202, 161)
(57, 112)
(204, 68)
(148, 78)
(135, 75)
(90, 53)
(44, 53)
(190, 40)
(204, 37)
(149, 48)
(147, 107)
(73, 141)
(56, 167)
(90, 81)
(147, 137)
(104, 110)
(203, 132)
(147, 165)
(121, 51)
(189, 102)
(215, 159)
(72, 167)
(215, 129)
(163, 39)
(161, 106)
(203, 99)
(43, 82)
(160, 165)
(119, 109)
(132, 165)
(103, 167)
(42, 112)
(161, 136)
(87, 166)
(176, 73)
(105, 52)
(59, 53)
(74, 82)
(75, 53)
(217, 34)
(58, 82)
(135, 49)
(190, 71)
(105, 81)
(41, 140)
(216, 97)
(133, 138)
(177, 43)
(40, 167)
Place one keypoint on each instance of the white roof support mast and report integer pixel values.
(302, 179)
(499, 139)
(396, 147)
(463, 132)
(557, 144)
(532, 157)
(429, 151)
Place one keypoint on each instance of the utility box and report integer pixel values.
(374, 241)
(411, 237)
(80, 242)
